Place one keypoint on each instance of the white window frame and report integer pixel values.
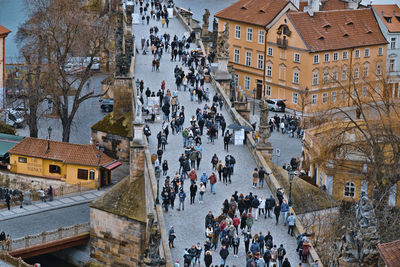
(261, 36)
(365, 71)
(296, 57)
(324, 98)
(295, 98)
(326, 76)
(350, 187)
(335, 56)
(366, 52)
(314, 99)
(270, 51)
(380, 51)
(316, 59)
(260, 61)
(236, 55)
(237, 31)
(268, 90)
(356, 73)
(246, 82)
(327, 57)
(392, 63)
(333, 96)
(393, 42)
(334, 75)
(248, 58)
(296, 76)
(344, 74)
(249, 34)
(315, 78)
(345, 55)
(357, 53)
(269, 70)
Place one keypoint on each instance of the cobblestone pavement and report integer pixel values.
(46, 221)
(189, 224)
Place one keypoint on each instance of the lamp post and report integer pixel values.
(157, 173)
(98, 170)
(291, 177)
(48, 141)
(254, 100)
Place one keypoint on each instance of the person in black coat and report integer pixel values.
(193, 190)
(269, 205)
(208, 258)
(277, 211)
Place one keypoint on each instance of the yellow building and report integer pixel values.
(71, 163)
(345, 176)
(308, 57)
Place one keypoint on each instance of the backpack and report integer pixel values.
(281, 252)
(255, 175)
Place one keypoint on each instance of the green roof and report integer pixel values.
(126, 199)
(121, 126)
(8, 141)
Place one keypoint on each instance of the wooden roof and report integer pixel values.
(390, 252)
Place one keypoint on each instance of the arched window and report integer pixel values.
(326, 76)
(350, 189)
(315, 77)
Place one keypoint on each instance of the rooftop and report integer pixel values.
(61, 151)
(337, 29)
(390, 15)
(4, 30)
(8, 141)
(390, 252)
(257, 12)
(121, 127)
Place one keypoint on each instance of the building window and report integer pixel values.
(270, 51)
(295, 98)
(315, 78)
(54, 169)
(378, 69)
(260, 62)
(349, 189)
(324, 97)
(326, 76)
(335, 56)
(296, 77)
(247, 82)
(344, 74)
(269, 70)
(333, 96)
(297, 57)
(22, 160)
(334, 75)
(364, 91)
(268, 90)
(393, 43)
(326, 57)
(356, 73)
(91, 175)
(380, 51)
(357, 53)
(282, 72)
(249, 34)
(366, 52)
(83, 174)
(365, 72)
(248, 58)
(344, 55)
(342, 95)
(316, 59)
(236, 55)
(237, 32)
(261, 36)
(314, 99)
(391, 64)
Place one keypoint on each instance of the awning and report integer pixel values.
(113, 165)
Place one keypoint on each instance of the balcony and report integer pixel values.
(282, 42)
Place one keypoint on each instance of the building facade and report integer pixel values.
(313, 59)
(3, 34)
(71, 163)
(388, 17)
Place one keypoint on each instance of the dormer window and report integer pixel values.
(244, 7)
(388, 19)
(261, 11)
(349, 23)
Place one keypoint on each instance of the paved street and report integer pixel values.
(190, 230)
(45, 221)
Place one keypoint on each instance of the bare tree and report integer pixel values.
(62, 30)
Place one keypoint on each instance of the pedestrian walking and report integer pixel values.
(213, 181)
(224, 253)
(277, 212)
(281, 255)
(171, 237)
(193, 191)
(255, 177)
(269, 205)
(182, 196)
(8, 201)
(208, 259)
(202, 190)
(165, 167)
(291, 222)
(284, 211)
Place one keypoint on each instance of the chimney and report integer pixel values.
(313, 6)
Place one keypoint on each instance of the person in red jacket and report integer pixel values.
(193, 176)
(236, 223)
(213, 181)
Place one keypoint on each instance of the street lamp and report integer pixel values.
(158, 173)
(48, 140)
(98, 170)
(291, 177)
(254, 99)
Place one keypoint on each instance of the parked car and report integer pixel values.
(107, 104)
(276, 104)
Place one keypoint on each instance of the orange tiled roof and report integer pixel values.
(333, 5)
(390, 253)
(60, 151)
(389, 11)
(337, 29)
(4, 30)
(257, 12)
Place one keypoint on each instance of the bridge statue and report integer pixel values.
(223, 45)
(206, 17)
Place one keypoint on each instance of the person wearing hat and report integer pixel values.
(177, 263)
(208, 258)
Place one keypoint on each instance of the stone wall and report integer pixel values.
(115, 240)
(114, 146)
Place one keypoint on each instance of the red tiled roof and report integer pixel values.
(60, 151)
(390, 252)
(257, 12)
(333, 5)
(338, 29)
(4, 30)
(389, 11)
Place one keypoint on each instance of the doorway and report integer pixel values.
(259, 89)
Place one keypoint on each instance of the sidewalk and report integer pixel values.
(57, 203)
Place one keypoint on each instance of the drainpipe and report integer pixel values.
(351, 75)
(265, 60)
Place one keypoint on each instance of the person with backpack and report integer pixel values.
(267, 256)
(187, 258)
(247, 237)
(254, 175)
(214, 162)
(261, 176)
(281, 255)
(235, 245)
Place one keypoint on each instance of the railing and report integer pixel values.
(7, 258)
(50, 236)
